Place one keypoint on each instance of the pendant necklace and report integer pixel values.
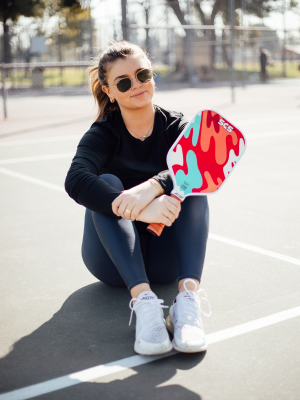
(142, 138)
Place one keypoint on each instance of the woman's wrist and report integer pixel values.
(157, 185)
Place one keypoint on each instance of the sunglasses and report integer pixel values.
(143, 76)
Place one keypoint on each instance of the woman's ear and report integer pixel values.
(105, 90)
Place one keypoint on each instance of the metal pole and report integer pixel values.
(244, 47)
(147, 12)
(4, 92)
(284, 40)
(191, 68)
(232, 74)
(124, 19)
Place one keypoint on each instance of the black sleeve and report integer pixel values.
(173, 131)
(82, 182)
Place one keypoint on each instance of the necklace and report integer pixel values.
(142, 138)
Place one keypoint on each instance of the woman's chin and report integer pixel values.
(141, 102)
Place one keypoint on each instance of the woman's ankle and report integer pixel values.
(138, 289)
(189, 285)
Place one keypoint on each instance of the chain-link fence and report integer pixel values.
(195, 52)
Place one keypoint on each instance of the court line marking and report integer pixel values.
(48, 126)
(27, 178)
(259, 120)
(78, 137)
(36, 158)
(99, 371)
(219, 238)
(271, 134)
(52, 139)
(255, 249)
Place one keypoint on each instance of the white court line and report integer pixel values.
(41, 140)
(36, 158)
(271, 134)
(258, 120)
(78, 137)
(134, 361)
(266, 120)
(211, 235)
(254, 249)
(32, 180)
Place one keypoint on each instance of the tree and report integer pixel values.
(259, 8)
(13, 9)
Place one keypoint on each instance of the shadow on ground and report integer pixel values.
(91, 328)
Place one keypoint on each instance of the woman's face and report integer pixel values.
(140, 94)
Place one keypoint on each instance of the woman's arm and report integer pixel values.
(82, 182)
(164, 209)
(135, 200)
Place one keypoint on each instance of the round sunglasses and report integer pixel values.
(143, 76)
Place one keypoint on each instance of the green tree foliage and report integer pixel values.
(13, 9)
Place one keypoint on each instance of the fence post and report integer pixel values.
(244, 47)
(124, 19)
(284, 40)
(232, 74)
(190, 43)
(4, 92)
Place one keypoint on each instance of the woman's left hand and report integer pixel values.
(134, 200)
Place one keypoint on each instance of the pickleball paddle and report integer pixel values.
(203, 157)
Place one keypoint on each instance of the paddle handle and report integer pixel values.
(155, 228)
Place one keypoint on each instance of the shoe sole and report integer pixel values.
(189, 349)
(148, 352)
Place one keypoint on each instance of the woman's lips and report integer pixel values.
(139, 94)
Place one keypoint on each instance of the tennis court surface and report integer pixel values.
(65, 335)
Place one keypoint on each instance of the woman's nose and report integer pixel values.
(135, 83)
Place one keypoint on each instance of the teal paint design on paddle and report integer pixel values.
(196, 129)
(193, 179)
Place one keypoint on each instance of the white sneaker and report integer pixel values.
(151, 335)
(184, 321)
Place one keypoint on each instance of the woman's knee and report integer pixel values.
(113, 180)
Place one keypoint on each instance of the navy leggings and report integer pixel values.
(116, 254)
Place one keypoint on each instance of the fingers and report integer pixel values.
(171, 217)
(115, 205)
(173, 209)
(135, 212)
(175, 202)
(172, 205)
(166, 221)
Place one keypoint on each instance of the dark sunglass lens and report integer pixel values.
(124, 85)
(145, 75)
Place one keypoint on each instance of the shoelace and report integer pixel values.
(189, 305)
(151, 310)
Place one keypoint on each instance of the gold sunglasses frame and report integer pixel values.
(136, 79)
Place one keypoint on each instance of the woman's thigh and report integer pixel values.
(95, 256)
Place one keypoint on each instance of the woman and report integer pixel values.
(119, 173)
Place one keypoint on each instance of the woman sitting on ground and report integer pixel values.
(119, 173)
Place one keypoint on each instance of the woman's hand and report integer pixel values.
(164, 209)
(135, 200)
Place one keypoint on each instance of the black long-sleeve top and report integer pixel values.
(108, 147)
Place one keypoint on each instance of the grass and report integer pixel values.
(53, 77)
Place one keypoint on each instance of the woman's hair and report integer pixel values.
(98, 73)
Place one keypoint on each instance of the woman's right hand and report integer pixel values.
(163, 209)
